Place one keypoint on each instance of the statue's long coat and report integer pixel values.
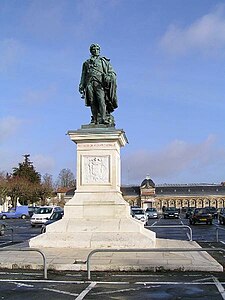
(110, 88)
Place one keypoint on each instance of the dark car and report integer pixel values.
(221, 216)
(201, 215)
(213, 211)
(189, 211)
(54, 217)
(171, 212)
(32, 210)
(2, 228)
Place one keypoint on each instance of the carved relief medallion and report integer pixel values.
(95, 169)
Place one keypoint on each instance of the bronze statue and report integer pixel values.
(98, 87)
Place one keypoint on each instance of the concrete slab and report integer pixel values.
(75, 259)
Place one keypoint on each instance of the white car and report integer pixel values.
(43, 214)
(139, 214)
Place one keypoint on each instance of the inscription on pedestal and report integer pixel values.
(95, 169)
(96, 146)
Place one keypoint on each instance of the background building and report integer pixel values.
(179, 195)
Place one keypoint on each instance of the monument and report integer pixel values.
(97, 216)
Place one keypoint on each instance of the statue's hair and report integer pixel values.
(94, 45)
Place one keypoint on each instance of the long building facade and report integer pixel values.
(148, 194)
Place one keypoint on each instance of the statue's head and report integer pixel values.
(95, 49)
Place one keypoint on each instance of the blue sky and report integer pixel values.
(169, 56)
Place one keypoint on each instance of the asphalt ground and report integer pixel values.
(28, 284)
(120, 286)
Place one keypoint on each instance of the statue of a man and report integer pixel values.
(98, 87)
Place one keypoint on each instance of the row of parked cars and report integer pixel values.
(195, 215)
(143, 215)
(152, 213)
(39, 216)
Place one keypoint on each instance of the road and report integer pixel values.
(27, 284)
(22, 231)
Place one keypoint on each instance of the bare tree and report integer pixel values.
(66, 179)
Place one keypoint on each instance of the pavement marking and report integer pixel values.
(86, 291)
(137, 275)
(154, 223)
(60, 292)
(43, 281)
(18, 273)
(126, 290)
(22, 284)
(219, 287)
(203, 279)
(5, 243)
(178, 283)
(195, 282)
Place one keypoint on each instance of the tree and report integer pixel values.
(46, 188)
(66, 179)
(3, 186)
(27, 171)
(24, 183)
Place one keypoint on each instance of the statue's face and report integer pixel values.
(95, 50)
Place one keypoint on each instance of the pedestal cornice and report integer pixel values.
(94, 134)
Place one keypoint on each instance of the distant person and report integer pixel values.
(98, 87)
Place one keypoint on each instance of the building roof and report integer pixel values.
(70, 192)
(147, 183)
(130, 190)
(190, 189)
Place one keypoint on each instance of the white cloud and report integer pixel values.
(173, 160)
(8, 127)
(10, 52)
(43, 164)
(206, 34)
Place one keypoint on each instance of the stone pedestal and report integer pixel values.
(97, 216)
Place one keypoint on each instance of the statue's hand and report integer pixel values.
(106, 80)
(81, 89)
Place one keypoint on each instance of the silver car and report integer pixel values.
(152, 213)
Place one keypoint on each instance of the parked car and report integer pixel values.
(171, 212)
(213, 211)
(2, 228)
(54, 217)
(139, 214)
(43, 214)
(32, 210)
(201, 215)
(151, 213)
(189, 211)
(16, 213)
(221, 216)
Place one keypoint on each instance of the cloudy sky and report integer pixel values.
(169, 56)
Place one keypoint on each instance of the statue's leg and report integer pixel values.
(93, 104)
(100, 94)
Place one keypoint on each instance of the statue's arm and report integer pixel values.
(83, 79)
(109, 73)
